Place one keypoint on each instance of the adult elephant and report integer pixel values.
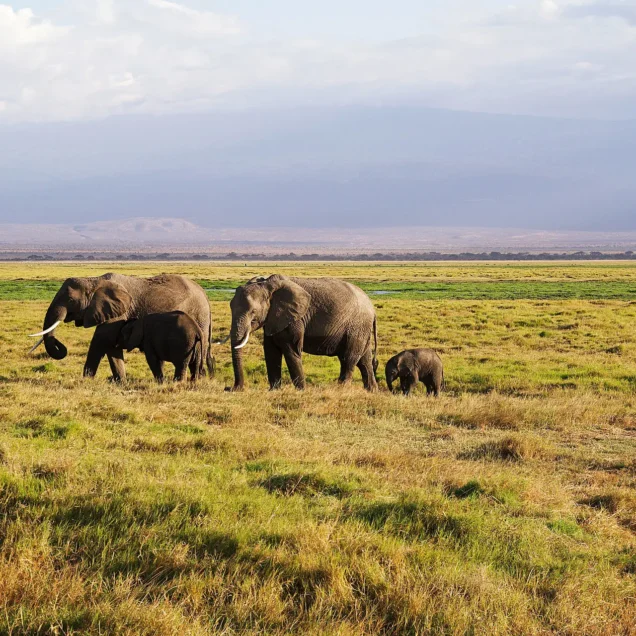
(321, 316)
(107, 301)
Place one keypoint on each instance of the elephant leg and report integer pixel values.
(347, 365)
(429, 383)
(365, 364)
(273, 362)
(294, 363)
(343, 367)
(407, 384)
(117, 365)
(96, 351)
(156, 365)
(104, 343)
(438, 382)
(180, 371)
(194, 371)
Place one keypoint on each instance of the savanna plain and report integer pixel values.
(506, 506)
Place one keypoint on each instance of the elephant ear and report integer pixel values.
(409, 365)
(109, 301)
(289, 303)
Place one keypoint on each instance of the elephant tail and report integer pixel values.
(210, 361)
(375, 344)
(197, 357)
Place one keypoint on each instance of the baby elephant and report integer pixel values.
(171, 337)
(413, 365)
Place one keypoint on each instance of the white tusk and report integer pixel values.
(222, 341)
(240, 346)
(42, 333)
(37, 344)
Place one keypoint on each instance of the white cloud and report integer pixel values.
(587, 67)
(106, 11)
(549, 9)
(199, 22)
(22, 28)
(160, 56)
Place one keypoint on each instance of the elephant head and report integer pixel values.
(88, 302)
(131, 336)
(399, 366)
(272, 303)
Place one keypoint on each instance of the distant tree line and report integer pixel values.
(377, 256)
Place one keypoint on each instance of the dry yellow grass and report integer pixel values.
(507, 506)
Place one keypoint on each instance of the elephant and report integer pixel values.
(413, 365)
(169, 337)
(107, 301)
(321, 316)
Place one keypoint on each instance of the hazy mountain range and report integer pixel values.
(347, 167)
(146, 235)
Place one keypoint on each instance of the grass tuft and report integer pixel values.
(510, 449)
(308, 485)
(413, 518)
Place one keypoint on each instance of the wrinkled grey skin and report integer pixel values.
(107, 301)
(170, 337)
(321, 316)
(413, 366)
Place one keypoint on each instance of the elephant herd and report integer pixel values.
(168, 318)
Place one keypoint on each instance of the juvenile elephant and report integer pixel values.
(321, 316)
(107, 301)
(413, 365)
(169, 337)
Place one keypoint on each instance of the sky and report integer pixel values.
(284, 112)
(91, 59)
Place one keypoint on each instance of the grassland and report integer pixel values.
(506, 506)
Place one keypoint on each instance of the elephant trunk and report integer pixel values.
(237, 363)
(390, 376)
(56, 313)
(239, 336)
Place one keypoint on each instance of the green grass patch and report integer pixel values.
(25, 289)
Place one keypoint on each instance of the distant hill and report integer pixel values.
(149, 233)
(138, 231)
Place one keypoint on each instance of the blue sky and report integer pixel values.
(84, 59)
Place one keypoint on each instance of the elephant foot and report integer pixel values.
(233, 389)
